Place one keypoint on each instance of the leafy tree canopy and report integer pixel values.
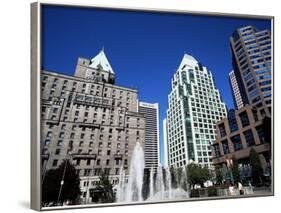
(197, 174)
(52, 183)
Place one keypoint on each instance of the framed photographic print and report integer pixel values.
(136, 106)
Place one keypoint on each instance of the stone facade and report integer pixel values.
(243, 130)
(89, 120)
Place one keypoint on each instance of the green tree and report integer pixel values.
(53, 191)
(255, 163)
(197, 174)
(219, 175)
(235, 170)
(106, 188)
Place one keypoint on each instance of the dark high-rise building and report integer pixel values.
(151, 142)
(239, 98)
(251, 60)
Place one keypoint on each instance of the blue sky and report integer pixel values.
(143, 48)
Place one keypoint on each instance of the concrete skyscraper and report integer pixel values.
(194, 107)
(151, 145)
(251, 60)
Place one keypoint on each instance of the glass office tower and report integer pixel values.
(251, 60)
(194, 107)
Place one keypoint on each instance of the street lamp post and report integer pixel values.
(63, 176)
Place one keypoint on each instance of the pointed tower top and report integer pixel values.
(100, 60)
(188, 60)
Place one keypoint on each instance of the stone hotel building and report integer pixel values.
(91, 121)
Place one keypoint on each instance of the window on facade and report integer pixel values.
(98, 162)
(55, 110)
(45, 151)
(232, 121)
(255, 114)
(49, 134)
(77, 162)
(57, 151)
(70, 144)
(244, 119)
(45, 78)
(225, 147)
(100, 145)
(222, 130)
(107, 162)
(97, 171)
(249, 137)
(47, 142)
(59, 143)
(261, 134)
(55, 162)
(236, 141)
(87, 172)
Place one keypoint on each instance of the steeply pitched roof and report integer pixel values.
(100, 61)
(187, 60)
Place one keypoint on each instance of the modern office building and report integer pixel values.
(239, 101)
(251, 60)
(151, 142)
(243, 130)
(194, 107)
(91, 121)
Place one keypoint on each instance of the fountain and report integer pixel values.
(160, 182)
(151, 185)
(131, 190)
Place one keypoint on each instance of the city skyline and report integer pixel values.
(160, 50)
